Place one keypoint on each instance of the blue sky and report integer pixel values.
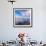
(20, 12)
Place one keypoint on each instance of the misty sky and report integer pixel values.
(26, 13)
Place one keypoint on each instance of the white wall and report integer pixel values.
(37, 32)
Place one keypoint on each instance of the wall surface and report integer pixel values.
(37, 32)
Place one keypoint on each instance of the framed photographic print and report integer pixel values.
(22, 17)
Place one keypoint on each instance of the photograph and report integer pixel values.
(22, 17)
